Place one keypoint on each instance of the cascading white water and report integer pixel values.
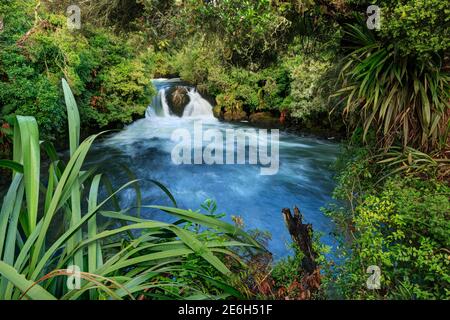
(164, 104)
(198, 106)
(159, 106)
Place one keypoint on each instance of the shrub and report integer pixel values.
(403, 228)
(251, 31)
(417, 27)
(110, 76)
(307, 99)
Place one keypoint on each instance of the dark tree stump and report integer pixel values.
(302, 236)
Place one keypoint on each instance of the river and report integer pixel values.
(304, 178)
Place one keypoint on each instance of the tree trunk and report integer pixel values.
(302, 236)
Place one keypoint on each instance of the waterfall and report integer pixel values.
(198, 107)
(164, 104)
(159, 106)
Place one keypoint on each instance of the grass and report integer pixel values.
(129, 257)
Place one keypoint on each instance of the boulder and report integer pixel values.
(235, 116)
(265, 119)
(218, 112)
(178, 99)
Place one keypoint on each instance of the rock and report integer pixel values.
(178, 99)
(265, 119)
(218, 113)
(235, 116)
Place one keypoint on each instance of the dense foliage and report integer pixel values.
(400, 225)
(404, 97)
(308, 64)
(109, 76)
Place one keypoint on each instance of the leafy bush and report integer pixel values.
(194, 61)
(402, 226)
(307, 99)
(235, 88)
(417, 27)
(110, 76)
(251, 31)
(414, 163)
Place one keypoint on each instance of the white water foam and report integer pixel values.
(198, 107)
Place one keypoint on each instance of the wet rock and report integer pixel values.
(178, 99)
(218, 112)
(265, 119)
(235, 116)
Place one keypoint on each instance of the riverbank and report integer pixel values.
(178, 98)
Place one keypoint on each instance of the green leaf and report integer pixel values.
(33, 291)
(31, 161)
